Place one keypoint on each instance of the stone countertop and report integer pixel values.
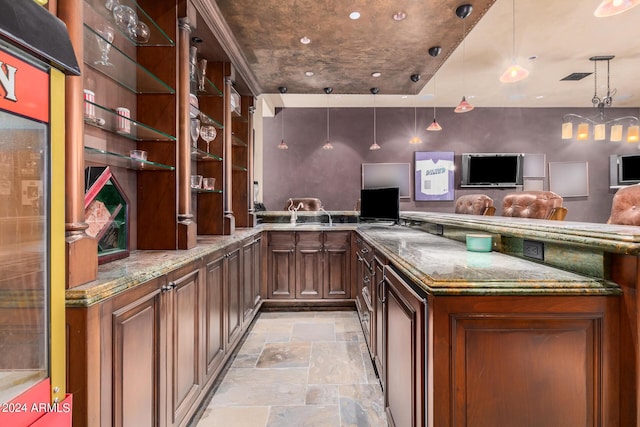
(624, 239)
(144, 265)
(442, 266)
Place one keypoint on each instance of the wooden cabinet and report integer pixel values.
(378, 346)
(214, 312)
(363, 287)
(251, 276)
(281, 271)
(405, 335)
(233, 296)
(135, 324)
(183, 307)
(309, 265)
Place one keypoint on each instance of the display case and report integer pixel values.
(107, 213)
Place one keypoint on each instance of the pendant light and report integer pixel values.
(462, 12)
(283, 145)
(415, 139)
(434, 126)
(515, 72)
(614, 7)
(327, 145)
(374, 146)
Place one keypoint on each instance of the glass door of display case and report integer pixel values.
(32, 222)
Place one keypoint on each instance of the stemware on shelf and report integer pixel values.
(208, 133)
(195, 131)
(104, 36)
(124, 16)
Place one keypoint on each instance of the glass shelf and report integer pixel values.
(239, 168)
(106, 119)
(115, 159)
(125, 71)
(201, 155)
(204, 119)
(237, 141)
(157, 37)
(203, 191)
(209, 88)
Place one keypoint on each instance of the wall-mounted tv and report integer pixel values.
(492, 169)
(624, 169)
(380, 204)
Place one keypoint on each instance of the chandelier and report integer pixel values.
(600, 122)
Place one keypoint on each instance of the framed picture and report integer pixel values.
(379, 175)
(434, 174)
(569, 179)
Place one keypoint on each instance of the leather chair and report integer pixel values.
(534, 204)
(475, 204)
(625, 208)
(308, 204)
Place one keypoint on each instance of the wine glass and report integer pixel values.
(105, 38)
(208, 133)
(195, 131)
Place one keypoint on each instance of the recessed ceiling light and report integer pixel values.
(533, 57)
(404, 96)
(376, 74)
(354, 15)
(539, 96)
(305, 40)
(399, 16)
(308, 73)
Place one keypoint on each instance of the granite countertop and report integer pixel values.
(439, 265)
(443, 266)
(144, 265)
(623, 239)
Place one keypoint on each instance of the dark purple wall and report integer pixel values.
(305, 170)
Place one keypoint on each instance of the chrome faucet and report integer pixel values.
(328, 214)
(294, 211)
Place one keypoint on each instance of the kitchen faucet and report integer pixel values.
(328, 214)
(294, 211)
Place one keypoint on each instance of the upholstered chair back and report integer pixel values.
(625, 208)
(308, 204)
(534, 204)
(475, 204)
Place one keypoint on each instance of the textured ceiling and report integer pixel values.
(551, 38)
(343, 53)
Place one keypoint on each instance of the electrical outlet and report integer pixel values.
(439, 229)
(533, 249)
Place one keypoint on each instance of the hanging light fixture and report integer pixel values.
(614, 7)
(434, 126)
(415, 139)
(515, 72)
(327, 145)
(462, 12)
(374, 146)
(283, 145)
(600, 121)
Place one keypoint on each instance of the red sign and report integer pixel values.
(24, 89)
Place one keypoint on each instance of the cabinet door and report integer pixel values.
(257, 270)
(185, 376)
(214, 316)
(379, 307)
(337, 264)
(281, 265)
(405, 338)
(138, 352)
(233, 291)
(250, 284)
(309, 267)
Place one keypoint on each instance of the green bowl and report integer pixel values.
(479, 242)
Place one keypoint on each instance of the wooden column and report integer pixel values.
(81, 249)
(251, 155)
(187, 228)
(229, 219)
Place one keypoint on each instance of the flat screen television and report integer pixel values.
(628, 169)
(380, 204)
(492, 169)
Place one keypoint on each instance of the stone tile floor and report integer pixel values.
(299, 369)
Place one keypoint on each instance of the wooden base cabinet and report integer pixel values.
(405, 314)
(309, 265)
(498, 360)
